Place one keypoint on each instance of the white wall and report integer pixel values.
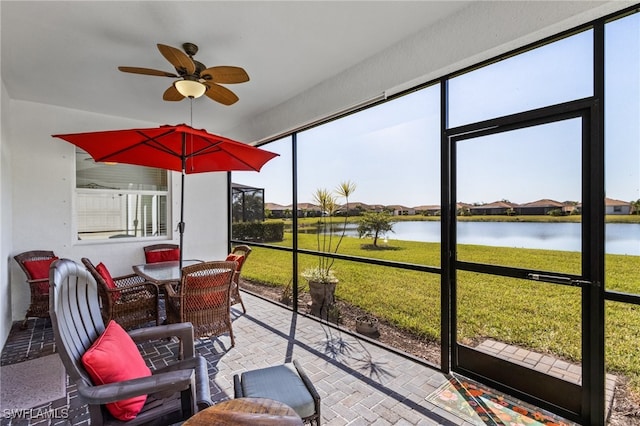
(43, 181)
(5, 216)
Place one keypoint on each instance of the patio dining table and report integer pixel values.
(162, 273)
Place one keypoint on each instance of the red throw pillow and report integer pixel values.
(112, 358)
(238, 258)
(106, 275)
(38, 270)
(162, 255)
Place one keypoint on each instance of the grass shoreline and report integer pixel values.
(612, 218)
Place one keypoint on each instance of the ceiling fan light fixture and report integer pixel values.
(193, 78)
(190, 88)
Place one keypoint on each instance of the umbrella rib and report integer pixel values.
(210, 148)
(205, 150)
(154, 143)
(149, 141)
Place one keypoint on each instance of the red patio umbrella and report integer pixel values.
(180, 148)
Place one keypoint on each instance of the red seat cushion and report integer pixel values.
(238, 258)
(112, 358)
(38, 270)
(162, 255)
(106, 276)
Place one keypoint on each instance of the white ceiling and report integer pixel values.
(67, 53)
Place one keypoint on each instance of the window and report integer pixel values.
(119, 200)
(622, 153)
(391, 153)
(551, 74)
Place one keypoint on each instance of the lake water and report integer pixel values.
(621, 238)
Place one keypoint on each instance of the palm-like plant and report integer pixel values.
(328, 203)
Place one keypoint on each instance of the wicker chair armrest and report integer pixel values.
(39, 280)
(135, 288)
(171, 381)
(127, 280)
(181, 330)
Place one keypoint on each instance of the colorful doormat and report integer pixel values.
(482, 406)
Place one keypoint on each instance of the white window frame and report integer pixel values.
(148, 213)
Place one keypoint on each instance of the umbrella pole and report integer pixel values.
(181, 224)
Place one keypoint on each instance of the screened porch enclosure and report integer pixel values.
(533, 126)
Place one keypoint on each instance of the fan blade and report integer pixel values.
(172, 94)
(147, 71)
(225, 75)
(220, 94)
(178, 58)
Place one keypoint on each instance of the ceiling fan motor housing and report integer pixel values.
(190, 48)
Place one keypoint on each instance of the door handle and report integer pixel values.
(560, 280)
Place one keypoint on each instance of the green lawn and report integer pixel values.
(542, 317)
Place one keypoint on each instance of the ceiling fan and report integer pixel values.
(194, 78)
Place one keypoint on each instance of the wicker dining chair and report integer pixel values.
(130, 300)
(238, 254)
(202, 298)
(161, 252)
(35, 265)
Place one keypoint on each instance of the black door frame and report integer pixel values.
(584, 404)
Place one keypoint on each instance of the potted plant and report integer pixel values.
(321, 278)
(367, 325)
(286, 294)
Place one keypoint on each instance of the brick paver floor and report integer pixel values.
(359, 383)
(570, 372)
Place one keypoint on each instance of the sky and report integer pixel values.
(392, 151)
